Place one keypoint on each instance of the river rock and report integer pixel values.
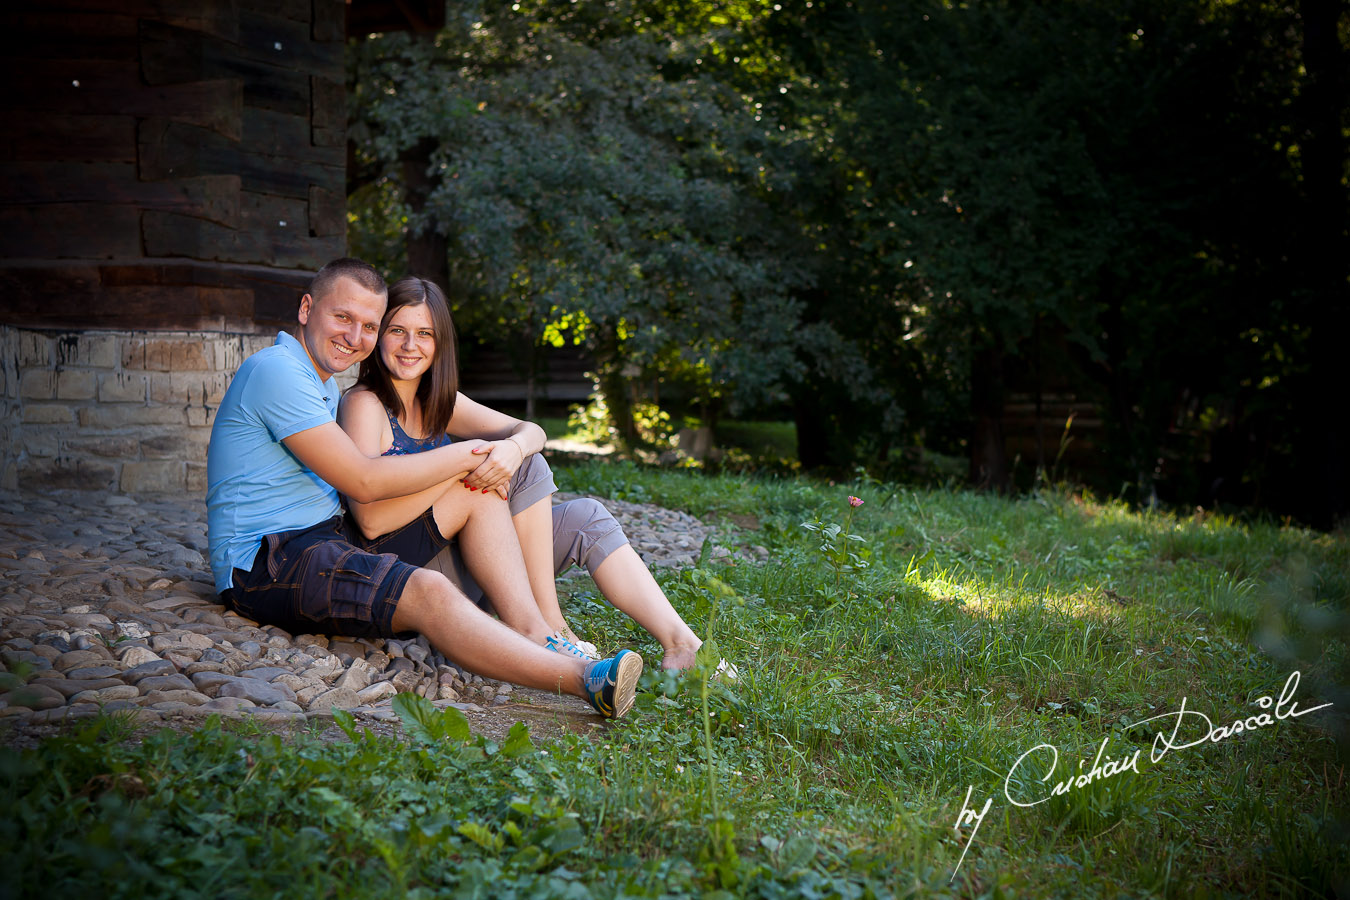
(149, 669)
(94, 672)
(135, 656)
(174, 682)
(107, 694)
(229, 704)
(36, 696)
(191, 698)
(357, 676)
(342, 698)
(264, 673)
(380, 690)
(210, 683)
(260, 692)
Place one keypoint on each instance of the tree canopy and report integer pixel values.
(886, 219)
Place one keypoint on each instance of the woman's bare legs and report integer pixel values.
(534, 529)
(488, 543)
(624, 580)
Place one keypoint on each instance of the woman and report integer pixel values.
(406, 400)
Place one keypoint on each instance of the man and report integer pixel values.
(276, 463)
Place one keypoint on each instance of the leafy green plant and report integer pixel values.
(843, 551)
(836, 764)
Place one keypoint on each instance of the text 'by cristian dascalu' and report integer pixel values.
(1104, 766)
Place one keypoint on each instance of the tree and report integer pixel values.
(581, 192)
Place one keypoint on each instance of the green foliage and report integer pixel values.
(843, 551)
(835, 765)
(428, 725)
(888, 217)
(586, 196)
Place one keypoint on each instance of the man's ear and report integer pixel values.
(306, 304)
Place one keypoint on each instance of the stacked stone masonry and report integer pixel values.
(116, 411)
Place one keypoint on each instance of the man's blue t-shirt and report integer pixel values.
(254, 485)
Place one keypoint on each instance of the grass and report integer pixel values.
(970, 630)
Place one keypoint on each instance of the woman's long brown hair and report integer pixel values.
(438, 386)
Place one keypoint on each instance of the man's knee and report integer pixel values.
(427, 594)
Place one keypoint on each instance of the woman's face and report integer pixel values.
(408, 344)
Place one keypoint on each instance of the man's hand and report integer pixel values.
(495, 472)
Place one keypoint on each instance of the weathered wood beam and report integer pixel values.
(218, 17)
(212, 197)
(272, 231)
(154, 295)
(276, 158)
(79, 138)
(70, 231)
(100, 86)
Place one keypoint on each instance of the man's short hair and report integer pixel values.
(360, 271)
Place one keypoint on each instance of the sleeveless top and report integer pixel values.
(404, 445)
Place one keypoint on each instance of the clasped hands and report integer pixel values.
(501, 460)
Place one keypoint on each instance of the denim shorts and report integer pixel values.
(316, 581)
(415, 543)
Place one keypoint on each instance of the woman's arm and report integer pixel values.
(362, 416)
(511, 440)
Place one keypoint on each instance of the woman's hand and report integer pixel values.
(494, 473)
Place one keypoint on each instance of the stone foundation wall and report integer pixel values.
(119, 411)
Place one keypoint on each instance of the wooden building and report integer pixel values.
(172, 174)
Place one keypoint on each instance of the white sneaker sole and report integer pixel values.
(625, 683)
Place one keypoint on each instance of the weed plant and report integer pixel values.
(984, 635)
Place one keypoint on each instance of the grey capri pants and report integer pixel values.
(584, 532)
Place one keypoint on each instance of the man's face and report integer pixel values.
(341, 327)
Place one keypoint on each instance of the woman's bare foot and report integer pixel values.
(680, 657)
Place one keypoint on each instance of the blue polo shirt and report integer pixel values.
(254, 485)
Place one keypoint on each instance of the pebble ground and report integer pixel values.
(106, 603)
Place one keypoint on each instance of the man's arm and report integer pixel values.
(329, 453)
(511, 441)
(362, 417)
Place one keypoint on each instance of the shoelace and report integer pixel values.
(559, 644)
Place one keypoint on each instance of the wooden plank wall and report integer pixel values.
(169, 164)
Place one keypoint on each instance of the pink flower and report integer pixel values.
(855, 502)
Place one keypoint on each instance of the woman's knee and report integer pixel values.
(591, 514)
(532, 484)
(584, 534)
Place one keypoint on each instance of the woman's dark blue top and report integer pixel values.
(403, 444)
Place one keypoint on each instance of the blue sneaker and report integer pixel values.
(559, 644)
(611, 683)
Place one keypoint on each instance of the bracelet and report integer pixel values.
(512, 439)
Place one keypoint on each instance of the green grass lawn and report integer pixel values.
(887, 684)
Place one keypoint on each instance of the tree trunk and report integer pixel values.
(1120, 410)
(812, 426)
(988, 460)
(614, 385)
(428, 256)
(1322, 499)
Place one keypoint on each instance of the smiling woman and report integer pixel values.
(406, 401)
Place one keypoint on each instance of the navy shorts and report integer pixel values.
(316, 581)
(416, 543)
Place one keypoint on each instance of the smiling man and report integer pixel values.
(279, 548)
